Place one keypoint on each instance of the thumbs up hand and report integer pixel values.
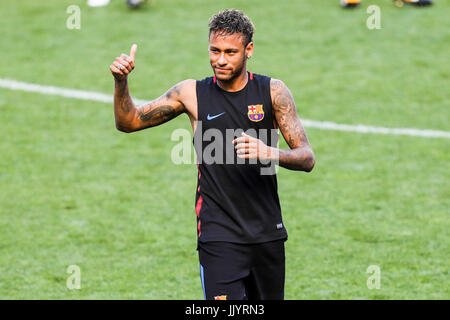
(123, 65)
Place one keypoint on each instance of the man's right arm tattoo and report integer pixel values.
(159, 111)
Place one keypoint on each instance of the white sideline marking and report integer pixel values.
(324, 125)
(63, 92)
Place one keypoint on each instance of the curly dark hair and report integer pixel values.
(232, 21)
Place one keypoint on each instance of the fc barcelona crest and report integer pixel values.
(255, 112)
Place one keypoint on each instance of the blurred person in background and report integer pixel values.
(98, 3)
(399, 3)
(130, 3)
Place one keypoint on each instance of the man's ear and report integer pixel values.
(249, 50)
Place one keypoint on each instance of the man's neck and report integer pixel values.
(236, 84)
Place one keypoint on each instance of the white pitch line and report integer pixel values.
(57, 91)
(324, 125)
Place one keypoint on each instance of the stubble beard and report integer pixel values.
(234, 73)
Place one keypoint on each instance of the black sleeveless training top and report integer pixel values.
(235, 201)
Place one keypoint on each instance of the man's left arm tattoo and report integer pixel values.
(300, 155)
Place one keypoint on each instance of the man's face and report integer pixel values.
(228, 55)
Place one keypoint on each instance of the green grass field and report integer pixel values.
(75, 191)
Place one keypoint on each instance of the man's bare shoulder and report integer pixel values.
(186, 87)
(276, 83)
(185, 92)
(281, 95)
(277, 86)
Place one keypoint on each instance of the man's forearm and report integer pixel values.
(124, 108)
(301, 158)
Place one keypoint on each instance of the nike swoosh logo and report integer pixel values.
(209, 117)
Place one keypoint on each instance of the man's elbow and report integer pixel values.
(123, 128)
(310, 162)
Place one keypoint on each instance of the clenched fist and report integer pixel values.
(248, 147)
(124, 64)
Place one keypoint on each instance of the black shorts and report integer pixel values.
(232, 271)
